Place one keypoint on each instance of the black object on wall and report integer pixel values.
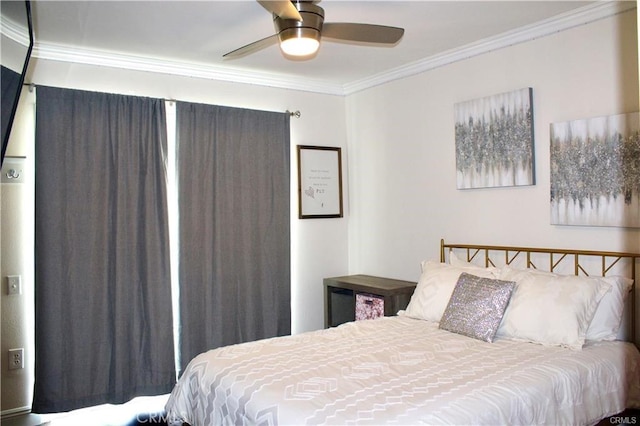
(12, 81)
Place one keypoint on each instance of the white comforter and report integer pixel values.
(397, 370)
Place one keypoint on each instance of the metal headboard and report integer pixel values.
(533, 256)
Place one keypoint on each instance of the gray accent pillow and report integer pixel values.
(476, 306)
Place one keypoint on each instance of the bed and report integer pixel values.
(449, 358)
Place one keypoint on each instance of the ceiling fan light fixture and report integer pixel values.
(300, 23)
(299, 41)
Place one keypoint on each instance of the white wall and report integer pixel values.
(400, 189)
(402, 173)
(13, 53)
(16, 216)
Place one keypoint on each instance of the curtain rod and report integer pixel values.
(296, 114)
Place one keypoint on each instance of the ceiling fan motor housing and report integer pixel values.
(310, 26)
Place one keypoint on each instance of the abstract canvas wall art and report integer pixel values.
(595, 171)
(494, 141)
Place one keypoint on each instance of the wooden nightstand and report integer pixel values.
(341, 293)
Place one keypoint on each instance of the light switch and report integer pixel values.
(14, 284)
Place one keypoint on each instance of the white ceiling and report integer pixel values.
(190, 37)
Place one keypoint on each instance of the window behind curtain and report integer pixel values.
(103, 297)
(234, 197)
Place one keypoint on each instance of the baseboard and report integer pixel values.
(15, 412)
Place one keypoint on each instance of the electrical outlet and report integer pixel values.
(16, 359)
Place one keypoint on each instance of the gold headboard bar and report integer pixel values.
(554, 264)
(606, 269)
(508, 259)
(609, 260)
(538, 250)
(470, 256)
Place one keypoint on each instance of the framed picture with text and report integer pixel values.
(319, 182)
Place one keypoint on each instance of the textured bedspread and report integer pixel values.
(397, 370)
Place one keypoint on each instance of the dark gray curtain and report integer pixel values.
(234, 226)
(103, 296)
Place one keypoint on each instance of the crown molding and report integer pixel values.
(597, 10)
(15, 32)
(74, 55)
(558, 23)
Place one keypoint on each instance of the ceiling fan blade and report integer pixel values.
(366, 33)
(282, 8)
(252, 47)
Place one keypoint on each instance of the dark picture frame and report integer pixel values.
(319, 182)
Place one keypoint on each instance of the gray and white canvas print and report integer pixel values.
(494, 141)
(595, 171)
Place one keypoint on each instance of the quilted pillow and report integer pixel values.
(435, 287)
(608, 317)
(550, 309)
(476, 306)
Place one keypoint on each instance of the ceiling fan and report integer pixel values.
(300, 25)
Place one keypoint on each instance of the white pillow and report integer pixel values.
(454, 260)
(550, 309)
(432, 294)
(606, 321)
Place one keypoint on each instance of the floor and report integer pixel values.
(23, 420)
(143, 410)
